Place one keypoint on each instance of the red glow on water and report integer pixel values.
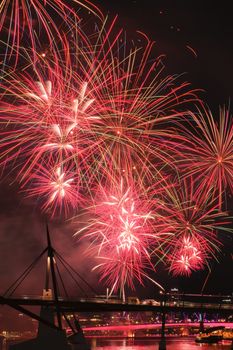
(156, 326)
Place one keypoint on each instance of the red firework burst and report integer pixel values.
(56, 187)
(107, 124)
(46, 120)
(210, 156)
(27, 20)
(122, 222)
(193, 221)
(189, 255)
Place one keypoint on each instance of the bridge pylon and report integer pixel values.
(201, 325)
(50, 334)
(162, 342)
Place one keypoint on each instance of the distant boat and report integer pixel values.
(211, 335)
(227, 334)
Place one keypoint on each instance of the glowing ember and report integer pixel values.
(188, 257)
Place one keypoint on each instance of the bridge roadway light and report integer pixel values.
(47, 294)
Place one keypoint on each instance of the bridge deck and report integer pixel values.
(87, 306)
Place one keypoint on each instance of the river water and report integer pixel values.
(174, 344)
(145, 344)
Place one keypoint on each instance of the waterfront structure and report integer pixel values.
(54, 308)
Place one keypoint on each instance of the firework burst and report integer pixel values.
(89, 106)
(189, 255)
(56, 187)
(47, 120)
(211, 152)
(24, 21)
(194, 222)
(124, 222)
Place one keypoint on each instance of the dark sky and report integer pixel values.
(205, 26)
(173, 25)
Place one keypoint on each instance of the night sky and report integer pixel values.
(204, 26)
(177, 27)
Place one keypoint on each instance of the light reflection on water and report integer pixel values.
(179, 344)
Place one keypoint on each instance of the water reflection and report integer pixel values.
(177, 344)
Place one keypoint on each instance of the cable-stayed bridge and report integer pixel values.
(54, 308)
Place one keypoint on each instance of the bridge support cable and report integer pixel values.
(71, 275)
(206, 280)
(27, 312)
(62, 283)
(22, 277)
(71, 269)
(67, 296)
(69, 323)
(55, 256)
(51, 297)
